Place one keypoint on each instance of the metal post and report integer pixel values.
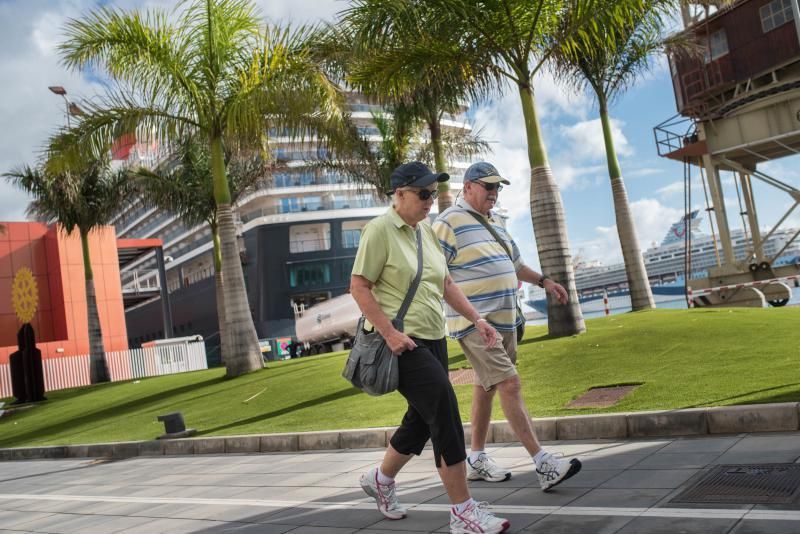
(750, 206)
(796, 11)
(718, 201)
(166, 309)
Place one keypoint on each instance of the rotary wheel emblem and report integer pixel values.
(24, 295)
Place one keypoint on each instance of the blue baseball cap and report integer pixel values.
(415, 174)
(485, 172)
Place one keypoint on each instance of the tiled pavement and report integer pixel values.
(625, 487)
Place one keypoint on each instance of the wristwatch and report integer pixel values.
(542, 279)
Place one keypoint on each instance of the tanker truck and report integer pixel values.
(327, 326)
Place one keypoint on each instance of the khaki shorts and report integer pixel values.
(493, 365)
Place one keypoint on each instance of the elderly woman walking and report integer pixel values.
(385, 265)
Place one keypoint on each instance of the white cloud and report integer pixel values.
(586, 140)
(301, 11)
(675, 188)
(555, 100)
(652, 220)
(642, 172)
(29, 63)
(784, 170)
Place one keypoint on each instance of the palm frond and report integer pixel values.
(458, 145)
(137, 47)
(114, 115)
(611, 55)
(183, 183)
(84, 197)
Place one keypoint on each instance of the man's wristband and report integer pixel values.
(481, 319)
(542, 279)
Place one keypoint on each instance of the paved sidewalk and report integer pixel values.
(625, 487)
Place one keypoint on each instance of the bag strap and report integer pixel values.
(492, 231)
(415, 283)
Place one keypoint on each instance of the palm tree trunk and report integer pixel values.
(550, 227)
(243, 353)
(219, 287)
(445, 199)
(639, 284)
(98, 368)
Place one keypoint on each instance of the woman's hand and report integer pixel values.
(487, 332)
(398, 342)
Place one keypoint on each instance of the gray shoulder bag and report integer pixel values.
(485, 223)
(371, 366)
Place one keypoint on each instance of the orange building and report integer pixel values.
(56, 263)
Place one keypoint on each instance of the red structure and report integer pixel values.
(738, 104)
(747, 43)
(56, 262)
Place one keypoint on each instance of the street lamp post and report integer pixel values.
(72, 107)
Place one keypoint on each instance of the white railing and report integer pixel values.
(73, 371)
(140, 281)
(192, 278)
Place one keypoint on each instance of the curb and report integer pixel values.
(779, 417)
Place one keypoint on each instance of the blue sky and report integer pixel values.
(30, 31)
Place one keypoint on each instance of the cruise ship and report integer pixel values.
(297, 238)
(666, 264)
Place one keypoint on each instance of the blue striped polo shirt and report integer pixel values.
(480, 267)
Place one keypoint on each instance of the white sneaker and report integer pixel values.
(384, 495)
(476, 518)
(554, 470)
(484, 468)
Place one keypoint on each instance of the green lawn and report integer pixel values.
(682, 358)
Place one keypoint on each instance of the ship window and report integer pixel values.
(347, 269)
(309, 237)
(776, 13)
(283, 179)
(309, 274)
(718, 44)
(290, 205)
(351, 233)
(351, 238)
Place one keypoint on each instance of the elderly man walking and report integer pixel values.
(485, 263)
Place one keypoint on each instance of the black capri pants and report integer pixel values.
(432, 404)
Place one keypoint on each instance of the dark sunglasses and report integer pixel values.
(490, 187)
(425, 194)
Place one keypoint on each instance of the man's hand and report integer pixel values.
(487, 332)
(399, 342)
(556, 290)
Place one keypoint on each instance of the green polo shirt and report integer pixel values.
(387, 257)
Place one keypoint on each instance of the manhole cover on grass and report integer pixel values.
(462, 377)
(745, 484)
(602, 397)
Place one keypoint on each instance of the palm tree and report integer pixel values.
(512, 40)
(183, 185)
(82, 198)
(364, 162)
(608, 69)
(374, 58)
(209, 69)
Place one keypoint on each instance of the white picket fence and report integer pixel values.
(73, 371)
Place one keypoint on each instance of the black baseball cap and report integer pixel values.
(485, 172)
(415, 174)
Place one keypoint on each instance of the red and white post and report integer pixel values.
(605, 303)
